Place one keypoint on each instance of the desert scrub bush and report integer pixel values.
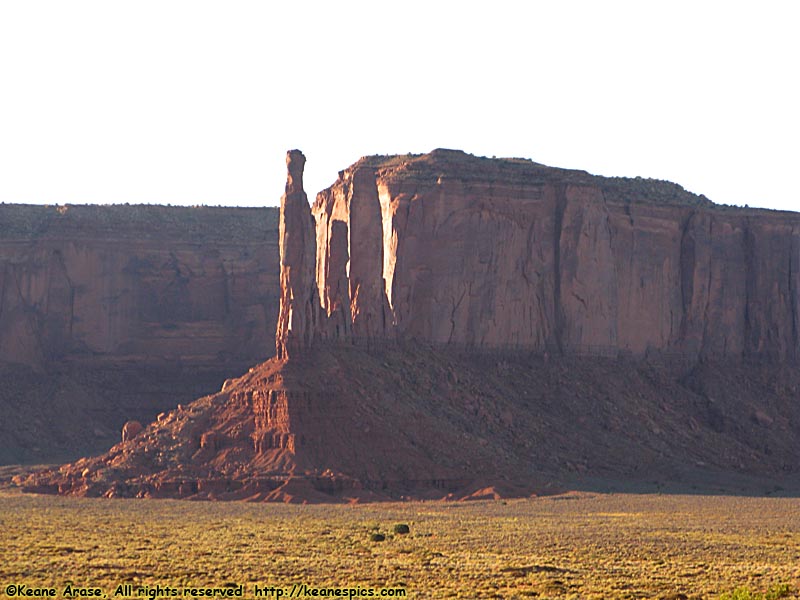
(774, 593)
(401, 529)
(377, 537)
(782, 590)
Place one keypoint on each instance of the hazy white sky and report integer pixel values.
(196, 102)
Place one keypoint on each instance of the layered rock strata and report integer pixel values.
(452, 249)
(111, 313)
(137, 284)
(547, 327)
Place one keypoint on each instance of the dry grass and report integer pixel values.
(575, 546)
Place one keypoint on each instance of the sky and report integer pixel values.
(196, 102)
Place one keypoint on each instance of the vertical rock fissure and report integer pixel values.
(558, 314)
(749, 288)
(614, 304)
(63, 266)
(71, 309)
(388, 251)
(226, 290)
(707, 305)
(455, 306)
(793, 293)
(687, 269)
(3, 291)
(32, 318)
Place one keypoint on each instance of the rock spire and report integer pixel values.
(298, 304)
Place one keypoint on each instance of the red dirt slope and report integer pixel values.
(345, 423)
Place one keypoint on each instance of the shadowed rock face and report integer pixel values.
(145, 284)
(111, 313)
(547, 327)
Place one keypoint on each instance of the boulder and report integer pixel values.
(130, 430)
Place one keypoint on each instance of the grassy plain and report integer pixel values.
(569, 546)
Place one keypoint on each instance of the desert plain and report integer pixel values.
(572, 545)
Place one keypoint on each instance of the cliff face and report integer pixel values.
(110, 313)
(494, 280)
(137, 284)
(453, 249)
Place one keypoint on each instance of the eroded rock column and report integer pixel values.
(298, 304)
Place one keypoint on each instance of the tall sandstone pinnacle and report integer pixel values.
(332, 261)
(297, 316)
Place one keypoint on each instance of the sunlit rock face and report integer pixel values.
(453, 249)
(298, 305)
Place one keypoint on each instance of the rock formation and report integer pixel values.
(298, 307)
(130, 430)
(110, 313)
(495, 327)
(142, 284)
(453, 249)
(350, 257)
(348, 423)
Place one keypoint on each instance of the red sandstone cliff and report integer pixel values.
(110, 313)
(454, 249)
(137, 283)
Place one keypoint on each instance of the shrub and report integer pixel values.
(774, 593)
(778, 591)
(402, 529)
